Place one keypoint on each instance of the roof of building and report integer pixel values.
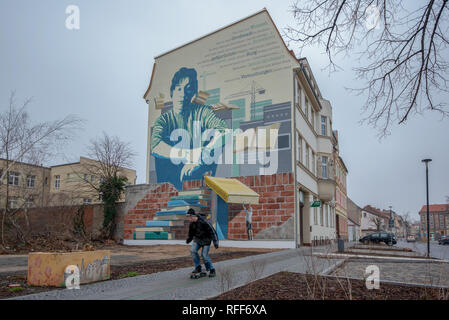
(435, 208)
(264, 10)
(377, 212)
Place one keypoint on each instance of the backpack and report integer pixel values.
(215, 236)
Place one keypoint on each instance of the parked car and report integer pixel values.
(444, 240)
(411, 239)
(378, 237)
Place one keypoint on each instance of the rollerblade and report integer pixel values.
(197, 273)
(212, 273)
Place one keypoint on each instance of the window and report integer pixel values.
(57, 181)
(315, 217)
(283, 142)
(307, 157)
(85, 177)
(299, 151)
(306, 108)
(13, 178)
(91, 178)
(298, 147)
(13, 203)
(29, 203)
(87, 201)
(324, 167)
(30, 181)
(313, 162)
(323, 126)
(312, 119)
(46, 180)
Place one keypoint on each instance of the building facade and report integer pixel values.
(354, 220)
(61, 185)
(28, 185)
(373, 219)
(238, 104)
(340, 174)
(75, 183)
(438, 220)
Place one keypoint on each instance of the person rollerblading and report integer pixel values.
(203, 234)
(197, 273)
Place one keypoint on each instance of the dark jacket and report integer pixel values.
(202, 232)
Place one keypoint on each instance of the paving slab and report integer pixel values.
(176, 284)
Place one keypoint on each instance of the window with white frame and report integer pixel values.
(13, 178)
(324, 167)
(298, 147)
(313, 163)
(31, 181)
(57, 181)
(87, 201)
(13, 203)
(29, 203)
(323, 126)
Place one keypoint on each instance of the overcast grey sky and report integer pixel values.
(101, 72)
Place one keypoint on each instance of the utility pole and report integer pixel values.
(426, 161)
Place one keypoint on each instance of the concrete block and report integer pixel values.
(47, 269)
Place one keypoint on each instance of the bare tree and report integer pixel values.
(401, 48)
(378, 222)
(110, 158)
(23, 144)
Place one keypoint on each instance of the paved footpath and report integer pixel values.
(176, 284)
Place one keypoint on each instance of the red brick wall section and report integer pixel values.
(147, 207)
(276, 204)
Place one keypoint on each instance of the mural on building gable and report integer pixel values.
(236, 82)
(177, 165)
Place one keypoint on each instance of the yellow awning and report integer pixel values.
(232, 190)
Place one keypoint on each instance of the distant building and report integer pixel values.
(438, 220)
(373, 219)
(29, 185)
(65, 184)
(354, 220)
(73, 183)
(340, 174)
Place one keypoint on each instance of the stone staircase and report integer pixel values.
(170, 223)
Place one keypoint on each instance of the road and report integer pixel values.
(436, 250)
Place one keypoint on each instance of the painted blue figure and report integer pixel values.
(179, 155)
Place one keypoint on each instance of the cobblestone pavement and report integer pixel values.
(436, 250)
(406, 272)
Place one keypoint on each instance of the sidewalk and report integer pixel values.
(176, 284)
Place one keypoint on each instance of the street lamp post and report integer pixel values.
(426, 161)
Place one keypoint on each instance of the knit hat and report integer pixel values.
(190, 212)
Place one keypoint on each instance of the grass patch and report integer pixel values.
(16, 289)
(128, 275)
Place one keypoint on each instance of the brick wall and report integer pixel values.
(276, 206)
(146, 208)
(58, 221)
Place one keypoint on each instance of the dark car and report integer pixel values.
(378, 237)
(444, 240)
